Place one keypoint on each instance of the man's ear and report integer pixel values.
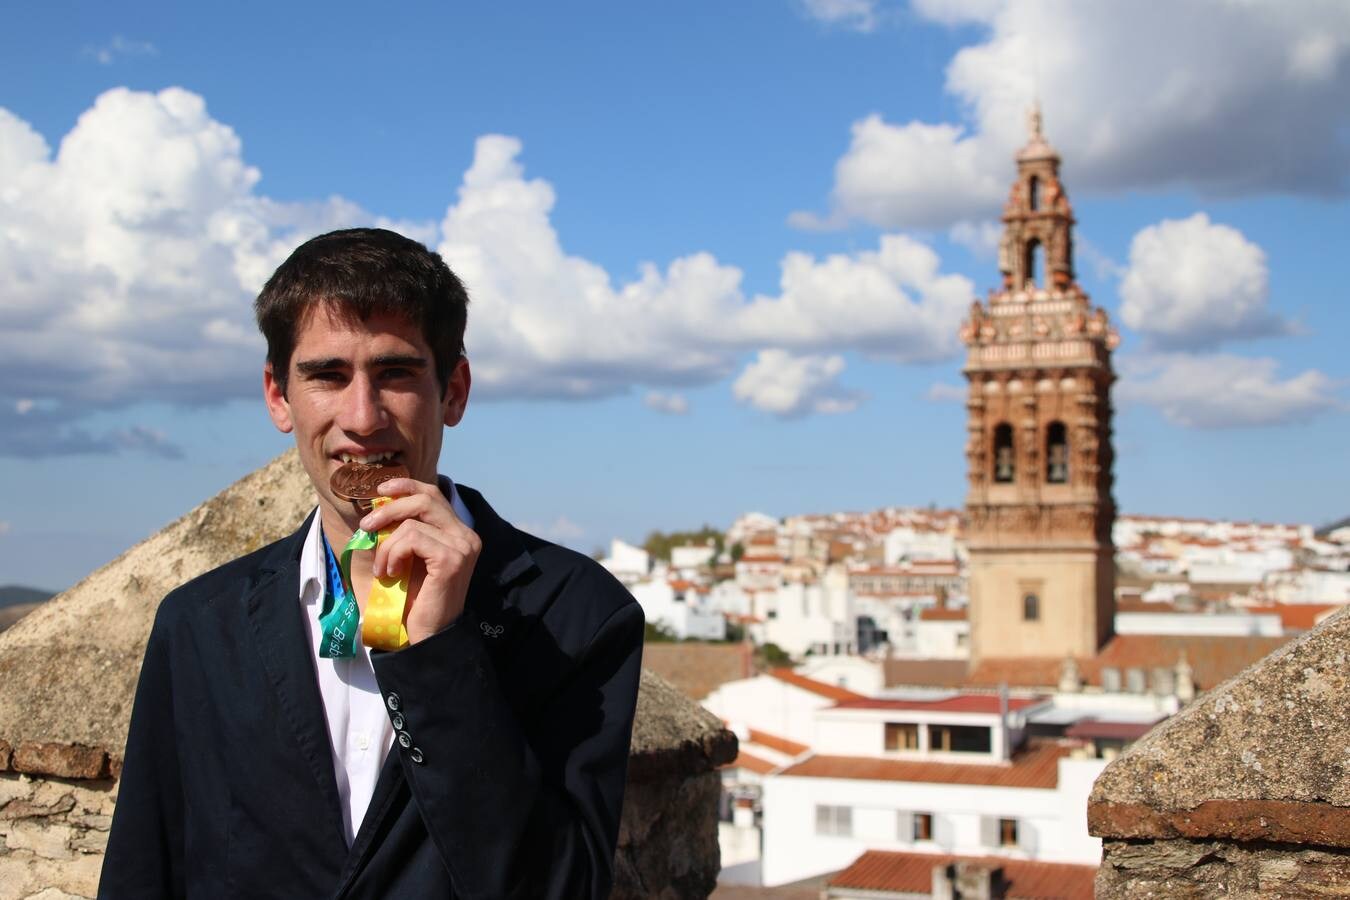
(457, 392)
(275, 398)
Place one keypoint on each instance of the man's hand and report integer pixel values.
(432, 545)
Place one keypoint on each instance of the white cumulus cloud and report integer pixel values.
(1222, 390)
(119, 47)
(670, 404)
(791, 386)
(1137, 96)
(128, 257)
(858, 15)
(1195, 283)
(548, 323)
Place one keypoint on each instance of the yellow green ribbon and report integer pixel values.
(382, 626)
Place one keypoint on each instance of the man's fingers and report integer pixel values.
(440, 551)
(427, 504)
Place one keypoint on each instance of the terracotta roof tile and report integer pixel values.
(833, 692)
(774, 742)
(1213, 659)
(963, 703)
(925, 672)
(1037, 766)
(748, 761)
(936, 614)
(879, 870)
(1297, 616)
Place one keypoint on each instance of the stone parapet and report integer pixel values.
(1246, 793)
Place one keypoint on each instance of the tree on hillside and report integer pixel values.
(659, 544)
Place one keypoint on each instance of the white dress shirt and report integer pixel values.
(359, 731)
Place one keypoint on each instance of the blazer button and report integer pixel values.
(404, 740)
(392, 701)
(398, 721)
(415, 755)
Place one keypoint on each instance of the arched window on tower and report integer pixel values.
(1034, 193)
(1035, 260)
(1056, 454)
(1004, 467)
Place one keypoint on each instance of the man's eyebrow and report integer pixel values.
(310, 366)
(406, 361)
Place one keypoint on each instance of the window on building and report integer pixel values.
(834, 820)
(902, 736)
(1034, 193)
(923, 826)
(960, 738)
(1004, 467)
(1056, 454)
(1007, 832)
(1031, 607)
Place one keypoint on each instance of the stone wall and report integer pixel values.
(52, 835)
(1244, 794)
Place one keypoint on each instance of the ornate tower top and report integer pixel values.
(1037, 245)
(1037, 147)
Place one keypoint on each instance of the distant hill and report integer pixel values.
(11, 594)
(14, 612)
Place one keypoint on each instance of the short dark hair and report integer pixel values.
(363, 272)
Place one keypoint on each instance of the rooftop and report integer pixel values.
(878, 870)
(1035, 766)
(1213, 659)
(961, 703)
(820, 688)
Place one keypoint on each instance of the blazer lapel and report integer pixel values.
(279, 634)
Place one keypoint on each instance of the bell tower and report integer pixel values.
(1039, 509)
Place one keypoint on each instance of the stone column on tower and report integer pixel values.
(1039, 509)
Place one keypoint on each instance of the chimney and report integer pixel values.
(965, 880)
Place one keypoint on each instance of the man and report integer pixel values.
(486, 757)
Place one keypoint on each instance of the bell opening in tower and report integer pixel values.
(1056, 454)
(1034, 262)
(1034, 193)
(1004, 469)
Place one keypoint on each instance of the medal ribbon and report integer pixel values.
(383, 628)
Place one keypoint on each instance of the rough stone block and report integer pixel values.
(61, 760)
(41, 839)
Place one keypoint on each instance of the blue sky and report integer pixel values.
(718, 252)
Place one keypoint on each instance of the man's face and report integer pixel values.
(364, 390)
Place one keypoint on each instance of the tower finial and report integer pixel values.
(1034, 121)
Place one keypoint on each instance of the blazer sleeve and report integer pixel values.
(515, 814)
(145, 843)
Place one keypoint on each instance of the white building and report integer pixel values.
(692, 556)
(1310, 586)
(1237, 623)
(677, 606)
(627, 563)
(928, 776)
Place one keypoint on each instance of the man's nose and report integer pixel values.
(362, 410)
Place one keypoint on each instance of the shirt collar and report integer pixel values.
(314, 565)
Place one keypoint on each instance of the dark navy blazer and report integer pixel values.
(518, 719)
